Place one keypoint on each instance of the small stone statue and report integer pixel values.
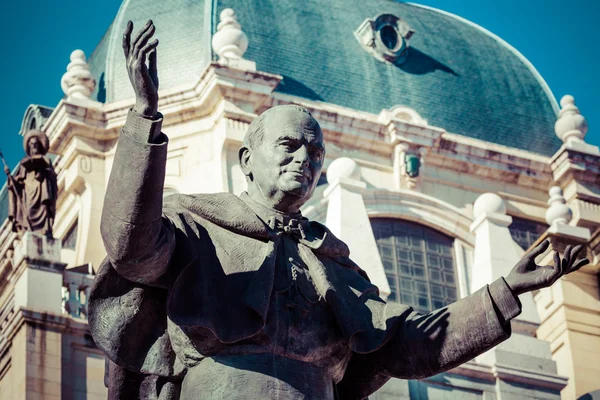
(33, 189)
(215, 296)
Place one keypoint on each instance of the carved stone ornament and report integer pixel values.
(386, 37)
(78, 82)
(229, 41)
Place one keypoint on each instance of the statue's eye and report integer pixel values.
(288, 145)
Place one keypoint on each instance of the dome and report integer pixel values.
(456, 75)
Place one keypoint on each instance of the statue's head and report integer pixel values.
(282, 157)
(35, 143)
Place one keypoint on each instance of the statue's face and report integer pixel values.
(35, 146)
(287, 165)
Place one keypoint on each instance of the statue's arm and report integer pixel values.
(420, 345)
(417, 346)
(448, 337)
(425, 345)
(138, 240)
(11, 181)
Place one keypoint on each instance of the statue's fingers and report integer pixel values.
(579, 264)
(143, 42)
(146, 49)
(127, 38)
(566, 258)
(152, 68)
(139, 34)
(555, 270)
(539, 249)
(575, 253)
(557, 263)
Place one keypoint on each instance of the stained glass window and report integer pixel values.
(418, 262)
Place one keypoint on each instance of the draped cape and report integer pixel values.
(220, 278)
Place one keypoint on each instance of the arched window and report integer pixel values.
(418, 263)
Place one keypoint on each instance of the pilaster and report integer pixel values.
(569, 314)
(523, 357)
(35, 350)
(347, 219)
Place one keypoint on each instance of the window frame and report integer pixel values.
(400, 279)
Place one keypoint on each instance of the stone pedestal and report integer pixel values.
(39, 277)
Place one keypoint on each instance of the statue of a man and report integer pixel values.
(33, 188)
(242, 297)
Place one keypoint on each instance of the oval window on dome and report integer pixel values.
(389, 37)
(386, 37)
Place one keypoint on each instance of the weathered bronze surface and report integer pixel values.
(214, 296)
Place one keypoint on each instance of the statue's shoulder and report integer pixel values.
(225, 210)
(35, 162)
(207, 205)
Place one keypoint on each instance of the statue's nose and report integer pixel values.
(302, 156)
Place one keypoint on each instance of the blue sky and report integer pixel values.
(561, 39)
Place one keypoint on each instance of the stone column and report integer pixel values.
(347, 219)
(576, 167)
(569, 309)
(523, 355)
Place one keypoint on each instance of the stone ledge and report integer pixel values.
(527, 377)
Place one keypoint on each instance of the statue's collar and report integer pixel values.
(238, 215)
(269, 215)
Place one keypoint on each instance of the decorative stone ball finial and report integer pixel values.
(343, 168)
(570, 125)
(78, 81)
(229, 41)
(558, 212)
(489, 203)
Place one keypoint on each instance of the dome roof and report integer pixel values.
(456, 75)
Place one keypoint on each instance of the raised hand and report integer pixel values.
(527, 275)
(6, 170)
(144, 79)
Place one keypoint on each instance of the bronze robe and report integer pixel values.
(193, 280)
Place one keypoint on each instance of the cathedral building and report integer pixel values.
(447, 158)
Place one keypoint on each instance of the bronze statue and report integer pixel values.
(241, 297)
(33, 189)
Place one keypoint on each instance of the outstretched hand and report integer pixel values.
(144, 79)
(527, 275)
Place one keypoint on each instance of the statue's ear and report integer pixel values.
(245, 156)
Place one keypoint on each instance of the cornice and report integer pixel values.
(251, 92)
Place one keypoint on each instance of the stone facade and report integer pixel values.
(467, 189)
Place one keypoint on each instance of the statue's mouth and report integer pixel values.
(300, 174)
